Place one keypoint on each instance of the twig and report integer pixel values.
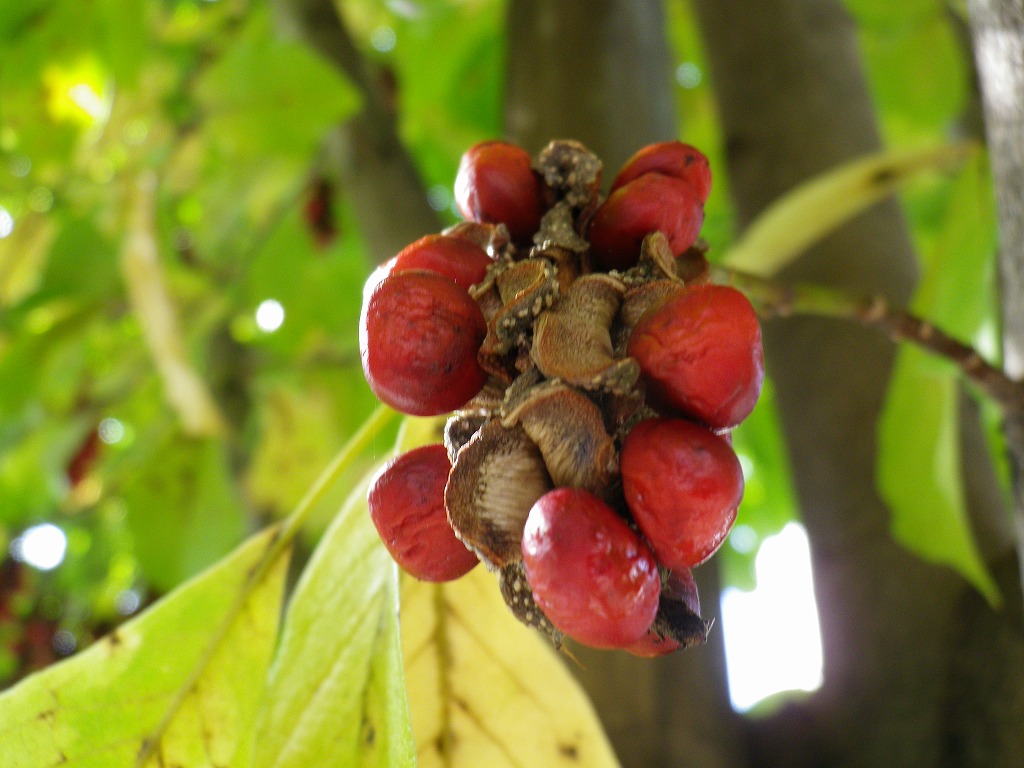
(774, 299)
(150, 301)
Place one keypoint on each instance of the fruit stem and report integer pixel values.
(356, 445)
(775, 299)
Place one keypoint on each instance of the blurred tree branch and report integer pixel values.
(151, 303)
(377, 172)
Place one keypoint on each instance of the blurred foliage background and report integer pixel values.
(181, 267)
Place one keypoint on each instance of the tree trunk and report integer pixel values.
(998, 31)
(897, 648)
(598, 72)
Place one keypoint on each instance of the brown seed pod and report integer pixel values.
(519, 598)
(571, 172)
(572, 340)
(568, 429)
(526, 289)
(656, 262)
(495, 480)
(558, 228)
(493, 238)
(460, 428)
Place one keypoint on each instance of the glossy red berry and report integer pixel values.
(496, 184)
(458, 259)
(700, 354)
(652, 202)
(679, 587)
(419, 334)
(671, 158)
(590, 573)
(406, 502)
(683, 485)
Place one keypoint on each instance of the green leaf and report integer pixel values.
(820, 205)
(254, 94)
(79, 242)
(916, 70)
(15, 16)
(182, 509)
(919, 468)
(337, 693)
(957, 293)
(188, 673)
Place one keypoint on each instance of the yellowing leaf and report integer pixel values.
(419, 430)
(336, 693)
(485, 690)
(806, 214)
(187, 673)
(298, 438)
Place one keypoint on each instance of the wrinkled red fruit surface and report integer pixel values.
(418, 338)
(671, 158)
(458, 259)
(496, 184)
(652, 202)
(683, 485)
(679, 587)
(700, 354)
(589, 571)
(406, 500)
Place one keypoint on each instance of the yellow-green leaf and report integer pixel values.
(804, 215)
(336, 692)
(419, 430)
(486, 691)
(919, 469)
(183, 678)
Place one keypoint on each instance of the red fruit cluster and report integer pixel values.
(594, 374)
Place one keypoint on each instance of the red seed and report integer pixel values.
(700, 354)
(683, 485)
(671, 158)
(589, 571)
(458, 259)
(406, 502)
(496, 184)
(419, 334)
(650, 203)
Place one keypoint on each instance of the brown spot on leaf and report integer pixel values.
(882, 177)
(569, 751)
